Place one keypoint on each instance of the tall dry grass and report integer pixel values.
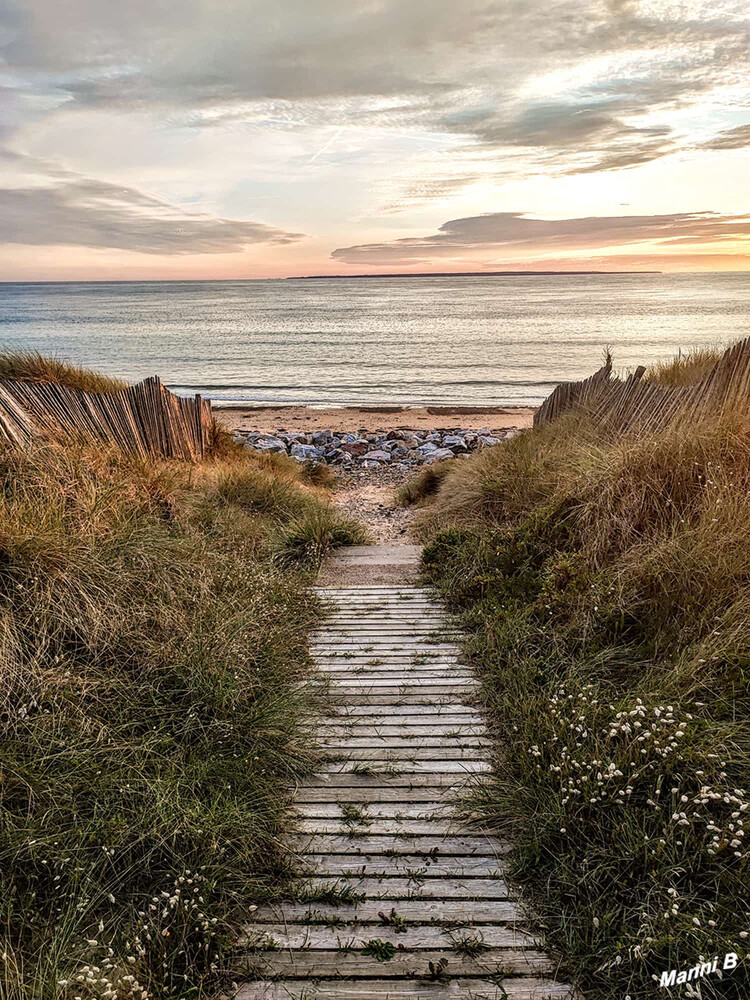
(606, 588)
(30, 366)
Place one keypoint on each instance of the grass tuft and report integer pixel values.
(30, 366)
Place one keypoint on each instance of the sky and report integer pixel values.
(209, 139)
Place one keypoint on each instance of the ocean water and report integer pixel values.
(473, 340)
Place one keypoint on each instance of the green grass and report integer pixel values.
(605, 587)
(152, 641)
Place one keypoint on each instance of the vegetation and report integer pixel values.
(605, 585)
(153, 625)
(29, 366)
(684, 369)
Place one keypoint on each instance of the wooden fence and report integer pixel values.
(632, 406)
(144, 419)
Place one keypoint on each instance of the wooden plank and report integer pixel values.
(382, 754)
(434, 827)
(443, 709)
(419, 730)
(303, 964)
(375, 865)
(374, 810)
(383, 699)
(398, 766)
(417, 937)
(393, 779)
(448, 889)
(468, 844)
(343, 741)
(495, 911)
(438, 684)
(414, 794)
(512, 988)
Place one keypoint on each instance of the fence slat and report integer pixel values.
(144, 419)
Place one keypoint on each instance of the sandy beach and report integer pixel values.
(271, 419)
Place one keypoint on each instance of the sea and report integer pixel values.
(487, 340)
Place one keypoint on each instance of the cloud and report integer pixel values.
(509, 232)
(80, 211)
(733, 138)
(569, 82)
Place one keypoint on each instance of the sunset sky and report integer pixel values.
(263, 138)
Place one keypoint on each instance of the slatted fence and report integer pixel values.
(632, 406)
(144, 419)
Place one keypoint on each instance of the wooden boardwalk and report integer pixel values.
(405, 898)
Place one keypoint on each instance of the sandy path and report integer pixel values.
(367, 495)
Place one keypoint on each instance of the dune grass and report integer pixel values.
(685, 369)
(153, 631)
(605, 586)
(30, 366)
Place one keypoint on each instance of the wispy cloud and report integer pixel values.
(514, 232)
(79, 211)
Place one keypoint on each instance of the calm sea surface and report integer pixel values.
(407, 340)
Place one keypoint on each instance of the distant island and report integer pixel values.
(455, 274)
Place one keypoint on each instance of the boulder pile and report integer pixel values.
(402, 447)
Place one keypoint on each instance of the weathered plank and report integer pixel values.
(379, 810)
(417, 732)
(450, 750)
(314, 964)
(468, 844)
(393, 887)
(375, 865)
(416, 937)
(398, 765)
(420, 793)
(375, 740)
(409, 989)
(434, 828)
(460, 913)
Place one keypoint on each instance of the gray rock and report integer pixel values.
(377, 455)
(370, 464)
(268, 444)
(321, 437)
(307, 453)
(400, 452)
(512, 432)
(483, 431)
(427, 447)
(488, 440)
(438, 456)
(454, 442)
(348, 438)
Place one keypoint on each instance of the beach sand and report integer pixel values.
(270, 419)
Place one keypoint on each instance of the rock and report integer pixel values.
(321, 437)
(488, 440)
(438, 456)
(370, 464)
(432, 436)
(483, 431)
(268, 444)
(307, 452)
(454, 442)
(511, 433)
(400, 452)
(377, 455)
(355, 447)
(427, 447)
(348, 438)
